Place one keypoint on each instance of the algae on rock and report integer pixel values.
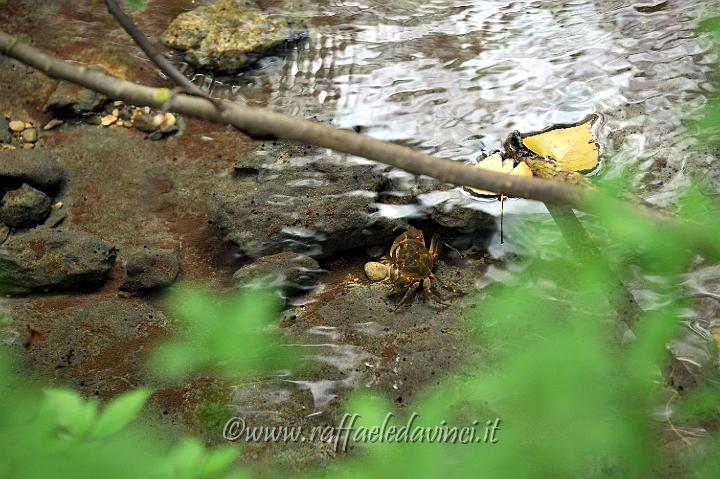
(227, 35)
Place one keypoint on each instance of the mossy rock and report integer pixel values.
(228, 35)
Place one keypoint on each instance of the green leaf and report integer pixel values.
(186, 458)
(218, 461)
(65, 403)
(137, 4)
(119, 412)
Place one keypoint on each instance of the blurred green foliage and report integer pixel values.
(137, 4)
(230, 336)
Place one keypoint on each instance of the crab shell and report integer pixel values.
(411, 260)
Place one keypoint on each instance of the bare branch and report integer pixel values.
(152, 53)
(183, 83)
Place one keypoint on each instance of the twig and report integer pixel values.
(152, 53)
(184, 85)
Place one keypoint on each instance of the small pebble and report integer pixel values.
(7, 147)
(118, 103)
(376, 271)
(108, 120)
(17, 126)
(29, 135)
(28, 146)
(54, 123)
(58, 205)
(28, 124)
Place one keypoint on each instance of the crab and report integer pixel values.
(411, 265)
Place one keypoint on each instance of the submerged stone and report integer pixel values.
(5, 136)
(290, 272)
(228, 35)
(70, 100)
(305, 200)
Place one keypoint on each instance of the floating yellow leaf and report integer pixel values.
(522, 169)
(572, 146)
(495, 163)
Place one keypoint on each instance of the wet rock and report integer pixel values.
(693, 361)
(52, 124)
(57, 215)
(376, 271)
(4, 232)
(150, 268)
(32, 167)
(227, 35)
(302, 199)
(158, 125)
(29, 135)
(453, 209)
(24, 207)
(70, 100)
(292, 273)
(17, 126)
(97, 346)
(45, 259)
(5, 136)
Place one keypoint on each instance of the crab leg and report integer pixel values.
(427, 286)
(435, 245)
(408, 293)
(449, 288)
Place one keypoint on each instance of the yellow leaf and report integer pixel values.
(522, 169)
(572, 147)
(495, 163)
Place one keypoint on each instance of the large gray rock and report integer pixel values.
(304, 200)
(292, 273)
(24, 207)
(32, 167)
(150, 268)
(227, 35)
(70, 100)
(46, 259)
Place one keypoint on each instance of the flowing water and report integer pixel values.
(454, 77)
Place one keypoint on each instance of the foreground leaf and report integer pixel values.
(119, 412)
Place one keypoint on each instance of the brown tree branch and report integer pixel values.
(297, 129)
(152, 53)
(183, 83)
